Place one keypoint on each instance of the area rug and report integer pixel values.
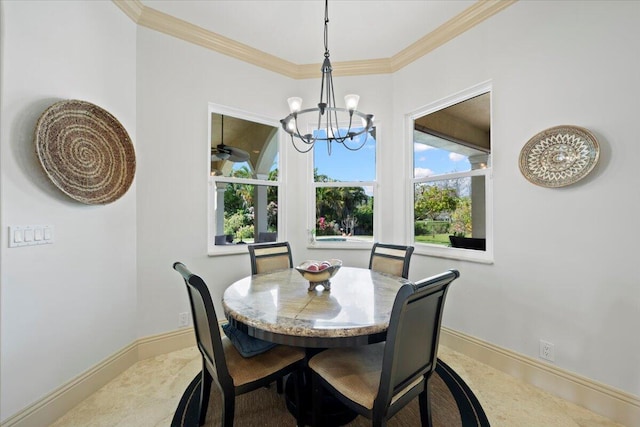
(453, 404)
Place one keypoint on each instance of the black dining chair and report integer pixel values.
(268, 257)
(222, 363)
(391, 259)
(378, 380)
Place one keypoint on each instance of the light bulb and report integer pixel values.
(351, 101)
(295, 104)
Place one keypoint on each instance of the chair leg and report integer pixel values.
(425, 406)
(205, 393)
(228, 409)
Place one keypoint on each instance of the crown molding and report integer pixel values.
(457, 25)
(151, 18)
(132, 8)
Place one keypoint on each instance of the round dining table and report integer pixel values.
(279, 307)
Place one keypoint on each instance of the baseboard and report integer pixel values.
(57, 403)
(165, 343)
(599, 398)
(607, 401)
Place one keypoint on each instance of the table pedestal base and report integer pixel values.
(334, 413)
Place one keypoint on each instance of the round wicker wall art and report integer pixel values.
(559, 156)
(85, 151)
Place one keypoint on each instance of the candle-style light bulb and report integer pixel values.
(351, 101)
(295, 104)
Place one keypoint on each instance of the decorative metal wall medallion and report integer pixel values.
(85, 151)
(559, 156)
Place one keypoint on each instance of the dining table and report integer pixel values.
(282, 308)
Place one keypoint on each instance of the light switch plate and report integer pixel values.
(28, 235)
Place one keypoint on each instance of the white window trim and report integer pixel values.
(439, 251)
(217, 250)
(311, 203)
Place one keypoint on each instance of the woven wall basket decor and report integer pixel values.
(85, 151)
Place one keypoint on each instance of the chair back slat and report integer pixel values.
(268, 257)
(391, 259)
(413, 335)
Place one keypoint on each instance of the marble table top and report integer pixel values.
(278, 307)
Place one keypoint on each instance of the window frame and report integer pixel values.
(311, 241)
(439, 250)
(212, 248)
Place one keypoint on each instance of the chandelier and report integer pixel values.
(328, 128)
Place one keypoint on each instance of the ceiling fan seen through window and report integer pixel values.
(227, 152)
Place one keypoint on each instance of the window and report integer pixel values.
(451, 182)
(244, 183)
(344, 184)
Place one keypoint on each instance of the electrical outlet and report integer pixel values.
(546, 351)
(183, 319)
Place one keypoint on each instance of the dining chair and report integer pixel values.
(268, 257)
(391, 259)
(233, 374)
(378, 380)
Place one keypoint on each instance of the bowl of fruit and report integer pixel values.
(319, 272)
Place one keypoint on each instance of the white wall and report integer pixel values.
(565, 259)
(558, 274)
(69, 305)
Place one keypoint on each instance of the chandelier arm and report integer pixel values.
(310, 140)
(367, 117)
(366, 138)
(332, 120)
(293, 142)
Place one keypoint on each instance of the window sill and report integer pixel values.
(471, 255)
(222, 250)
(340, 245)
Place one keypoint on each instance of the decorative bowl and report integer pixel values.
(321, 276)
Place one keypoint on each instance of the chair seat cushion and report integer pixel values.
(352, 371)
(246, 345)
(246, 370)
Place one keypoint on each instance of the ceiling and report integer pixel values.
(293, 29)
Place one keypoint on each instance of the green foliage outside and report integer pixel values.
(439, 212)
(239, 205)
(342, 210)
(431, 201)
(461, 218)
(438, 239)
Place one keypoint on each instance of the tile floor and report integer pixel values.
(147, 394)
